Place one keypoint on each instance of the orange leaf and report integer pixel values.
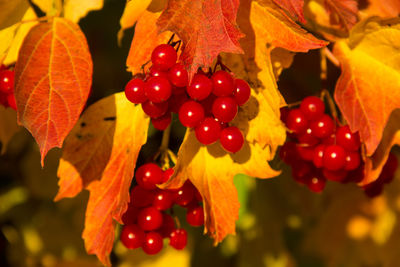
(293, 7)
(206, 27)
(53, 76)
(100, 154)
(383, 8)
(343, 12)
(368, 89)
(146, 38)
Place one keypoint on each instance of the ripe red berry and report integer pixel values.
(177, 101)
(301, 171)
(178, 75)
(207, 104)
(319, 155)
(296, 121)
(185, 194)
(231, 139)
(178, 239)
(200, 88)
(316, 183)
(161, 123)
(353, 160)
(168, 226)
(305, 152)
(11, 101)
(155, 110)
(241, 92)
(224, 109)
(307, 138)
(223, 84)
(288, 153)
(164, 56)
(132, 236)
(312, 107)
(373, 189)
(130, 215)
(141, 197)
(153, 243)
(348, 140)
(208, 131)
(150, 219)
(157, 72)
(337, 175)
(134, 91)
(158, 89)
(148, 175)
(334, 157)
(163, 200)
(322, 127)
(191, 114)
(6, 81)
(195, 216)
(167, 174)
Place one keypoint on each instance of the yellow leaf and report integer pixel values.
(8, 126)
(50, 7)
(12, 12)
(74, 10)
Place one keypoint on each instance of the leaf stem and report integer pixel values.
(332, 107)
(331, 57)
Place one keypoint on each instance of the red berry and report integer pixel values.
(141, 197)
(231, 139)
(178, 239)
(148, 175)
(157, 72)
(177, 101)
(207, 104)
(185, 194)
(348, 140)
(191, 114)
(164, 56)
(134, 91)
(208, 131)
(224, 109)
(168, 226)
(167, 174)
(150, 219)
(284, 114)
(6, 81)
(241, 92)
(153, 243)
(319, 155)
(200, 88)
(312, 107)
(305, 152)
(163, 200)
(11, 101)
(154, 110)
(296, 121)
(334, 157)
(3, 99)
(132, 236)
(316, 183)
(301, 171)
(337, 175)
(352, 160)
(288, 153)
(178, 75)
(322, 127)
(307, 138)
(161, 123)
(130, 215)
(195, 216)
(223, 84)
(158, 89)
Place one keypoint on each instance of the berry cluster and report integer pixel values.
(320, 150)
(208, 104)
(147, 221)
(7, 98)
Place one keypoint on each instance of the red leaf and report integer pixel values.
(293, 7)
(206, 27)
(53, 76)
(342, 12)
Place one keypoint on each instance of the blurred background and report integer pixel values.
(281, 222)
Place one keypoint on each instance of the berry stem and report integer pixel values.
(327, 96)
(330, 56)
(219, 63)
(171, 39)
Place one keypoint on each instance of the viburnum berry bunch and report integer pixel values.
(208, 104)
(7, 98)
(149, 217)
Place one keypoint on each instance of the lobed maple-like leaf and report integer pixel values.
(342, 12)
(53, 76)
(293, 7)
(367, 91)
(100, 155)
(206, 27)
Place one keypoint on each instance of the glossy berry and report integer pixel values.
(6, 81)
(148, 175)
(178, 239)
(161, 123)
(178, 75)
(141, 197)
(312, 107)
(167, 174)
(11, 101)
(177, 101)
(231, 139)
(307, 138)
(164, 56)
(155, 110)
(224, 109)
(150, 219)
(207, 104)
(319, 155)
(195, 216)
(130, 215)
(168, 226)
(241, 92)
(301, 171)
(163, 200)
(316, 183)
(153, 243)
(322, 127)
(337, 175)
(296, 121)
(191, 114)
(200, 88)
(223, 84)
(132, 236)
(135, 92)
(158, 89)
(348, 140)
(157, 72)
(334, 157)
(305, 152)
(353, 160)
(185, 194)
(208, 131)
(288, 153)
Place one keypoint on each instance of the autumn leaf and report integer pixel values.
(49, 7)
(293, 7)
(100, 155)
(12, 12)
(382, 8)
(144, 41)
(74, 10)
(206, 28)
(343, 12)
(53, 76)
(367, 91)
(8, 126)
